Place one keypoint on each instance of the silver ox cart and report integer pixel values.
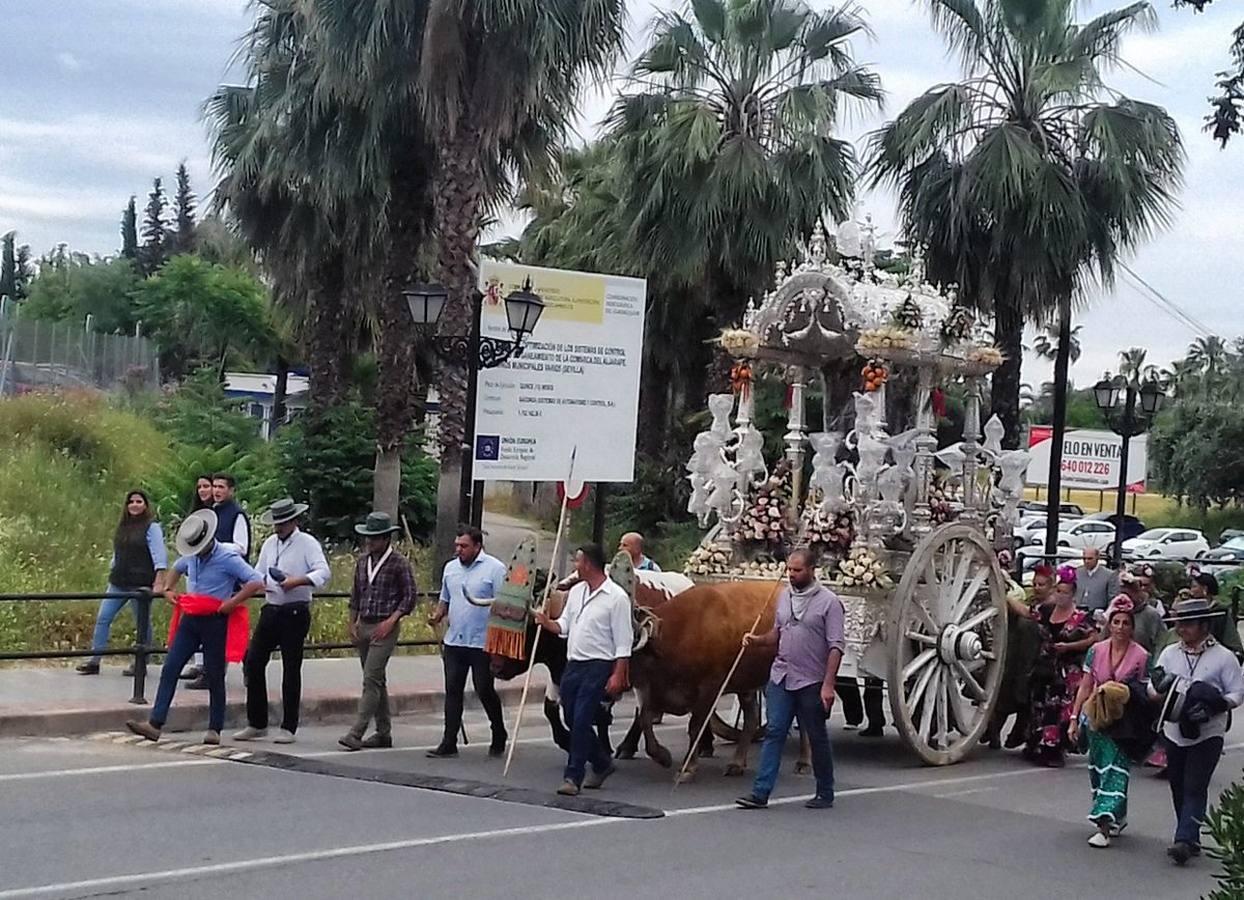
(905, 530)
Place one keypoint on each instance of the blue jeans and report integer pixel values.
(582, 690)
(783, 707)
(1189, 770)
(194, 632)
(108, 610)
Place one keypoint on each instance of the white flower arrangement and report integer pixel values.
(739, 342)
(984, 355)
(886, 337)
(862, 569)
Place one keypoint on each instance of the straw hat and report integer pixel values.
(196, 533)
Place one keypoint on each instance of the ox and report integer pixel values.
(652, 589)
(680, 670)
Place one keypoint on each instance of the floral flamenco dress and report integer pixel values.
(1109, 766)
(1052, 688)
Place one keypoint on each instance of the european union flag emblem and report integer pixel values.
(488, 447)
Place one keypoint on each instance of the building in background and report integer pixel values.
(257, 390)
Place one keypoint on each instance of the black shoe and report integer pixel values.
(873, 731)
(496, 751)
(819, 803)
(442, 752)
(594, 780)
(87, 668)
(1015, 739)
(191, 673)
(751, 801)
(1179, 852)
(199, 684)
(377, 742)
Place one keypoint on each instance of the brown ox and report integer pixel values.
(681, 669)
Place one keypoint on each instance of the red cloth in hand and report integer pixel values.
(239, 626)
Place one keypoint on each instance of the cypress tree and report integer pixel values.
(8, 266)
(155, 247)
(129, 231)
(184, 208)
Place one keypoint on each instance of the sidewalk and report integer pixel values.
(58, 701)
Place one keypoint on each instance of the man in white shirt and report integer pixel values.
(292, 564)
(473, 573)
(1209, 678)
(596, 622)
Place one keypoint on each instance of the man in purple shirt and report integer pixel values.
(809, 639)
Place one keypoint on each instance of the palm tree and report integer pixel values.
(725, 130)
(1207, 356)
(1046, 343)
(1019, 180)
(1132, 366)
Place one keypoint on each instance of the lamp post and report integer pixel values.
(1107, 394)
(475, 351)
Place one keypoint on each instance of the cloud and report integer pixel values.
(68, 61)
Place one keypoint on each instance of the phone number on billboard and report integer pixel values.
(1085, 467)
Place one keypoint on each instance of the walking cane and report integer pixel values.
(548, 591)
(737, 659)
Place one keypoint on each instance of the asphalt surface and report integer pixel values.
(90, 817)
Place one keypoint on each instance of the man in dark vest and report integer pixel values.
(233, 526)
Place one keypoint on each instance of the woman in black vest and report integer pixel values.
(138, 554)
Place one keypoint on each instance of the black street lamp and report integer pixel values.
(476, 352)
(1107, 394)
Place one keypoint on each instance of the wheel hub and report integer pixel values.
(956, 643)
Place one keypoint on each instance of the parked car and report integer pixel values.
(1229, 534)
(1132, 526)
(1166, 543)
(1032, 529)
(1222, 559)
(1030, 558)
(1086, 533)
(1064, 509)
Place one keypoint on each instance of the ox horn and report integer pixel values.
(471, 600)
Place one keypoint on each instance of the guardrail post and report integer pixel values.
(142, 621)
(1235, 603)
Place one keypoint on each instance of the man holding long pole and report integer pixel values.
(808, 634)
(596, 621)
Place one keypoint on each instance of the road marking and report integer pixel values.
(104, 770)
(116, 882)
(979, 790)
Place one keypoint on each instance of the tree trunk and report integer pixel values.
(279, 395)
(459, 187)
(1004, 390)
(328, 349)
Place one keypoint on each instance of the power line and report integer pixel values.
(1183, 314)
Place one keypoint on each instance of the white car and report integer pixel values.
(1086, 533)
(1031, 529)
(1166, 543)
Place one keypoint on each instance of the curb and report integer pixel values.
(322, 707)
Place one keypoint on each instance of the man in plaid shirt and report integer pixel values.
(383, 592)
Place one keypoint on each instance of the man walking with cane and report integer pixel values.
(596, 622)
(383, 592)
(808, 634)
(292, 564)
(471, 573)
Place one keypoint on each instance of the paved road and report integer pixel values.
(90, 818)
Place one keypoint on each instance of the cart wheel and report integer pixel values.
(726, 723)
(947, 643)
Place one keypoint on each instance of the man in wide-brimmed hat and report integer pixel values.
(1208, 675)
(292, 564)
(203, 618)
(383, 592)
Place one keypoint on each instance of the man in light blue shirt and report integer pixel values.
(471, 573)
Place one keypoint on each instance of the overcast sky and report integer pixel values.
(99, 96)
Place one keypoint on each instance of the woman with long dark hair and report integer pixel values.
(138, 555)
(203, 497)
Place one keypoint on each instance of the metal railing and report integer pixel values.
(140, 651)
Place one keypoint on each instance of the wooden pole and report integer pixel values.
(535, 643)
(721, 690)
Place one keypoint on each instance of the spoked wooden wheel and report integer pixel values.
(948, 644)
(726, 723)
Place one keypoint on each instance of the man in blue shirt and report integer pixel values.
(473, 573)
(632, 543)
(214, 570)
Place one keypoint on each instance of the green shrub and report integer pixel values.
(258, 472)
(1226, 825)
(327, 461)
(198, 414)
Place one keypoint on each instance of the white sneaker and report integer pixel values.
(211, 737)
(250, 734)
(284, 737)
(1099, 840)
